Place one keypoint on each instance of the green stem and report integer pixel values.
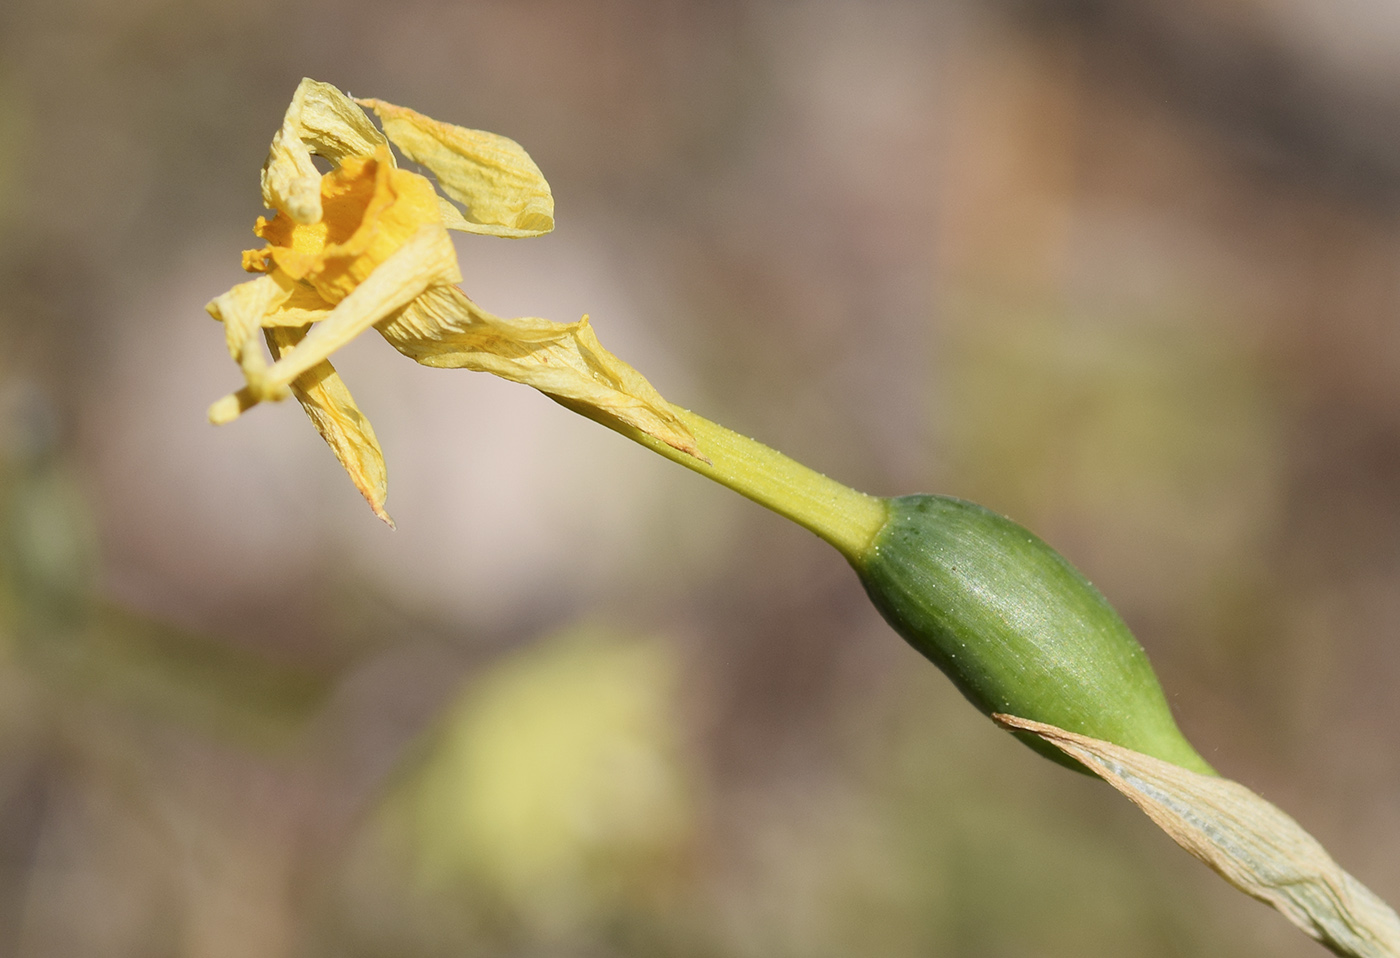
(847, 519)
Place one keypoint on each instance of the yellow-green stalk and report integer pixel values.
(1007, 618)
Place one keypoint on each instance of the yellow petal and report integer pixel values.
(443, 328)
(273, 300)
(323, 121)
(242, 310)
(302, 307)
(493, 177)
(227, 409)
(327, 401)
(452, 217)
(290, 181)
(426, 260)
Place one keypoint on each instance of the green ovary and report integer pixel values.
(1016, 627)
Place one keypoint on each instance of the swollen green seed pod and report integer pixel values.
(1016, 627)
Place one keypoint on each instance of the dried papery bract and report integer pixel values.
(1249, 842)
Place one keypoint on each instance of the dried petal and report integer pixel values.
(302, 307)
(323, 121)
(242, 311)
(444, 328)
(493, 177)
(332, 410)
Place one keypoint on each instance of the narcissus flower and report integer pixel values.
(366, 244)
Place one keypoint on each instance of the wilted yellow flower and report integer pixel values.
(366, 245)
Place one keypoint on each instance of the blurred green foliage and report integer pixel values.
(81, 647)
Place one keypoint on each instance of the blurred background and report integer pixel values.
(1124, 270)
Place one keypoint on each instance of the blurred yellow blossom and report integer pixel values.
(556, 783)
(366, 244)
